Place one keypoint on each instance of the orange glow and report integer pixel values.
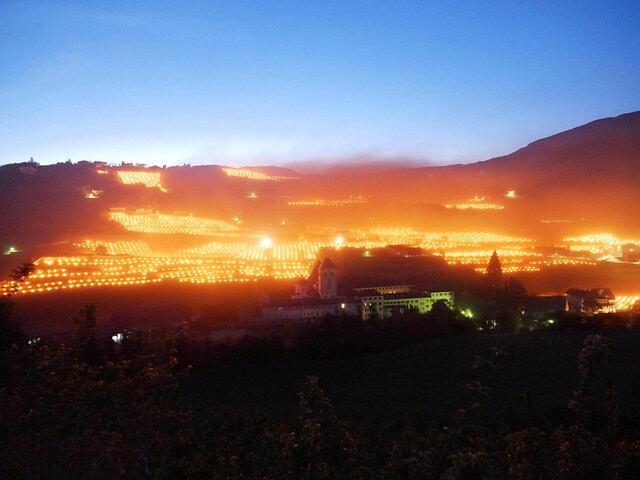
(327, 203)
(476, 203)
(171, 224)
(474, 206)
(244, 258)
(148, 179)
(93, 194)
(251, 175)
(627, 302)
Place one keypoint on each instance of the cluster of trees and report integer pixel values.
(332, 337)
(76, 411)
(86, 411)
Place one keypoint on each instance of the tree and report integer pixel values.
(514, 288)
(84, 333)
(494, 271)
(322, 446)
(64, 418)
(10, 331)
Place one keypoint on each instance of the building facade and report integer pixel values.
(596, 300)
(382, 305)
(310, 309)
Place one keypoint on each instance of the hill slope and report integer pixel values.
(588, 176)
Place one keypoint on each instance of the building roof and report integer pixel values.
(369, 292)
(576, 292)
(377, 288)
(601, 294)
(406, 295)
(594, 293)
(314, 273)
(327, 264)
(310, 302)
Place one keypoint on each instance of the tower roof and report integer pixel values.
(314, 273)
(327, 264)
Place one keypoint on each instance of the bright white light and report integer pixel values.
(266, 243)
(340, 240)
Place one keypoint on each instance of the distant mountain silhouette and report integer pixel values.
(588, 176)
(609, 145)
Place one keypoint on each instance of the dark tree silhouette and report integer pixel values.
(494, 271)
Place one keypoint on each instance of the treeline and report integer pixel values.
(329, 338)
(121, 417)
(95, 409)
(341, 336)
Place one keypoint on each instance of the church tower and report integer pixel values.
(327, 280)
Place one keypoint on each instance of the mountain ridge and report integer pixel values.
(587, 174)
(601, 136)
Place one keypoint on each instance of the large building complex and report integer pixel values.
(317, 297)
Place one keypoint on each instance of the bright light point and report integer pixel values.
(266, 243)
(511, 194)
(339, 240)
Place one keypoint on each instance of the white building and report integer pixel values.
(376, 304)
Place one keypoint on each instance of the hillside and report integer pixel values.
(582, 180)
(605, 152)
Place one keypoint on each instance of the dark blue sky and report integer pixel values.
(271, 82)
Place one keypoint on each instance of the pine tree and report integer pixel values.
(494, 271)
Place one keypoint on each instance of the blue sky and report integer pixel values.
(271, 82)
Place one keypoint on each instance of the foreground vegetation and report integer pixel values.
(413, 400)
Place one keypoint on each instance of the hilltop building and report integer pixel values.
(317, 296)
(322, 282)
(376, 304)
(596, 300)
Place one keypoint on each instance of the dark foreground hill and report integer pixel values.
(427, 381)
(417, 412)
